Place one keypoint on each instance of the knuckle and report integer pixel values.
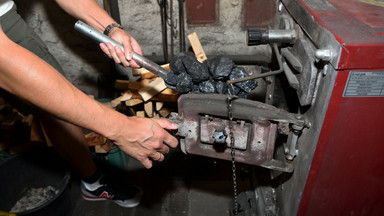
(157, 145)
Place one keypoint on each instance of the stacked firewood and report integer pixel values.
(18, 132)
(149, 97)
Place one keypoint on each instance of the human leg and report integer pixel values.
(67, 138)
(70, 143)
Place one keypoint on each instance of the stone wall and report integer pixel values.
(85, 65)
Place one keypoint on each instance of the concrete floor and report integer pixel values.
(181, 185)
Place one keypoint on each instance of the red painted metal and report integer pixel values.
(347, 171)
(347, 175)
(202, 12)
(359, 27)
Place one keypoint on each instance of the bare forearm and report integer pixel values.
(34, 80)
(88, 11)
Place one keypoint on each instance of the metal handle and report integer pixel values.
(139, 59)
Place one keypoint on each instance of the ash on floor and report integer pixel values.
(33, 198)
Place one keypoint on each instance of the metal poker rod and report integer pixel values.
(139, 59)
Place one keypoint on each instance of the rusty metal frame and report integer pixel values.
(262, 119)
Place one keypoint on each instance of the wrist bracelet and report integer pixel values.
(110, 27)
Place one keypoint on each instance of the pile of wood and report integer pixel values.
(18, 132)
(148, 97)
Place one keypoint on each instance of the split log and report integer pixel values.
(116, 102)
(197, 48)
(140, 114)
(164, 112)
(126, 95)
(94, 139)
(104, 148)
(152, 89)
(148, 108)
(128, 85)
(145, 74)
(36, 133)
(159, 105)
(133, 102)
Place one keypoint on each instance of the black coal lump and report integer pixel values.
(187, 54)
(184, 83)
(220, 67)
(234, 89)
(246, 86)
(221, 87)
(242, 94)
(171, 79)
(198, 71)
(177, 65)
(207, 86)
(195, 88)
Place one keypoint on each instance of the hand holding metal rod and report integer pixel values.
(139, 59)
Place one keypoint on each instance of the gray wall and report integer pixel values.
(84, 63)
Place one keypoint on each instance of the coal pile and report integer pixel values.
(189, 75)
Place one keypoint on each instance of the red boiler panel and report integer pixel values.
(347, 171)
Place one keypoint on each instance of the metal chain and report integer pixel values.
(231, 97)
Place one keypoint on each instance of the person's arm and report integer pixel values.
(25, 75)
(90, 12)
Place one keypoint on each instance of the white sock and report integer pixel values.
(92, 186)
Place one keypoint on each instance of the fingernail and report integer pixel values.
(129, 57)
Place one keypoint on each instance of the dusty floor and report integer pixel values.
(181, 185)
